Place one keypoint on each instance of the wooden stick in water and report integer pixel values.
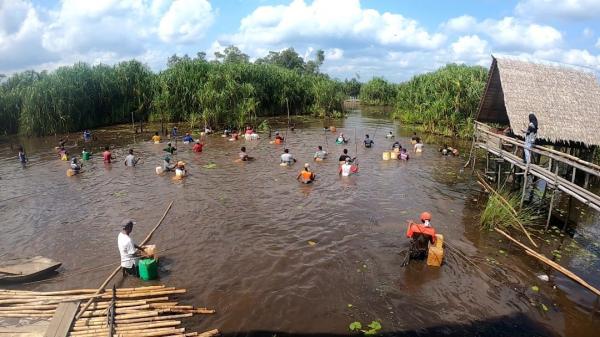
(551, 263)
(101, 288)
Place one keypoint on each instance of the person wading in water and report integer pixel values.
(420, 235)
(130, 252)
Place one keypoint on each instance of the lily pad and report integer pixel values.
(311, 243)
(355, 326)
(210, 166)
(535, 288)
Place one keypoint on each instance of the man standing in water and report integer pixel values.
(22, 157)
(368, 142)
(130, 159)
(170, 149)
(130, 252)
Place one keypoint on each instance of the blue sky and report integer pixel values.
(393, 39)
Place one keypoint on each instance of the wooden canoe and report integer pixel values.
(27, 269)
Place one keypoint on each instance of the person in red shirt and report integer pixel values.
(107, 156)
(197, 147)
(421, 234)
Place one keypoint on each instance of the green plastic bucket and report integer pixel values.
(148, 269)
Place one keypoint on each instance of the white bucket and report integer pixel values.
(159, 170)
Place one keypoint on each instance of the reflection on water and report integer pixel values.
(238, 235)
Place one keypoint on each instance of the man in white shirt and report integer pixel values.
(287, 158)
(130, 160)
(346, 168)
(128, 249)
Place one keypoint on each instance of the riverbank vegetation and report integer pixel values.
(229, 91)
(444, 101)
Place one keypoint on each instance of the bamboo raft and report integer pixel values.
(151, 311)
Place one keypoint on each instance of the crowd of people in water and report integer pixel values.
(347, 165)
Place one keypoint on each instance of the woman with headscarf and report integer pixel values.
(530, 136)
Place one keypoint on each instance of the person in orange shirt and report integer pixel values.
(421, 234)
(306, 176)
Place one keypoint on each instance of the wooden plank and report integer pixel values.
(63, 318)
(581, 194)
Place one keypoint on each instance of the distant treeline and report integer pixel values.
(229, 91)
(444, 101)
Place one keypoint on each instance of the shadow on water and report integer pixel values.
(516, 325)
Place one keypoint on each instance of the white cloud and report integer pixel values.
(508, 32)
(588, 32)
(334, 54)
(186, 21)
(598, 43)
(97, 31)
(460, 24)
(470, 47)
(20, 28)
(561, 9)
(322, 21)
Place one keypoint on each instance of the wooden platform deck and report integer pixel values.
(555, 163)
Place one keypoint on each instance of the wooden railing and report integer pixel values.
(495, 143)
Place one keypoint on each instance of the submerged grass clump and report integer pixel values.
(498, 214)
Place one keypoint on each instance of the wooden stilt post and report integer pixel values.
(487, 162)
(552, 198)
(525, 180)
(499, 163)
(586, 183)
(568, 216)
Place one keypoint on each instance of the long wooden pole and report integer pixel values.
(551, 263)
(103, 285)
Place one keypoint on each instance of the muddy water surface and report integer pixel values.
(275, 257)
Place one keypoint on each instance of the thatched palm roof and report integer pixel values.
(565, 100)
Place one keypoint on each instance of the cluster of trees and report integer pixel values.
(228, 91)
(378, 91)
(444, 101)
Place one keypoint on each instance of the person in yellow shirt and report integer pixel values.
(156, 138)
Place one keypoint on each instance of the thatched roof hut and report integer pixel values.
(565, 100)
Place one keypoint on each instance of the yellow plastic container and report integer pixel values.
(70, 172)
(435, 256)
(386, 156)
(150, 251)
(439, 241)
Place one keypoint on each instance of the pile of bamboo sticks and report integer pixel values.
(142, 312)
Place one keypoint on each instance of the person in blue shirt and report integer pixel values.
(87, 135)
(188, 138)
(174, 132)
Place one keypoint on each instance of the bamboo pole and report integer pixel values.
(101, 288)
(551, 263)
(101, 322)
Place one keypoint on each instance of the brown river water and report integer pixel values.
(237, 237)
